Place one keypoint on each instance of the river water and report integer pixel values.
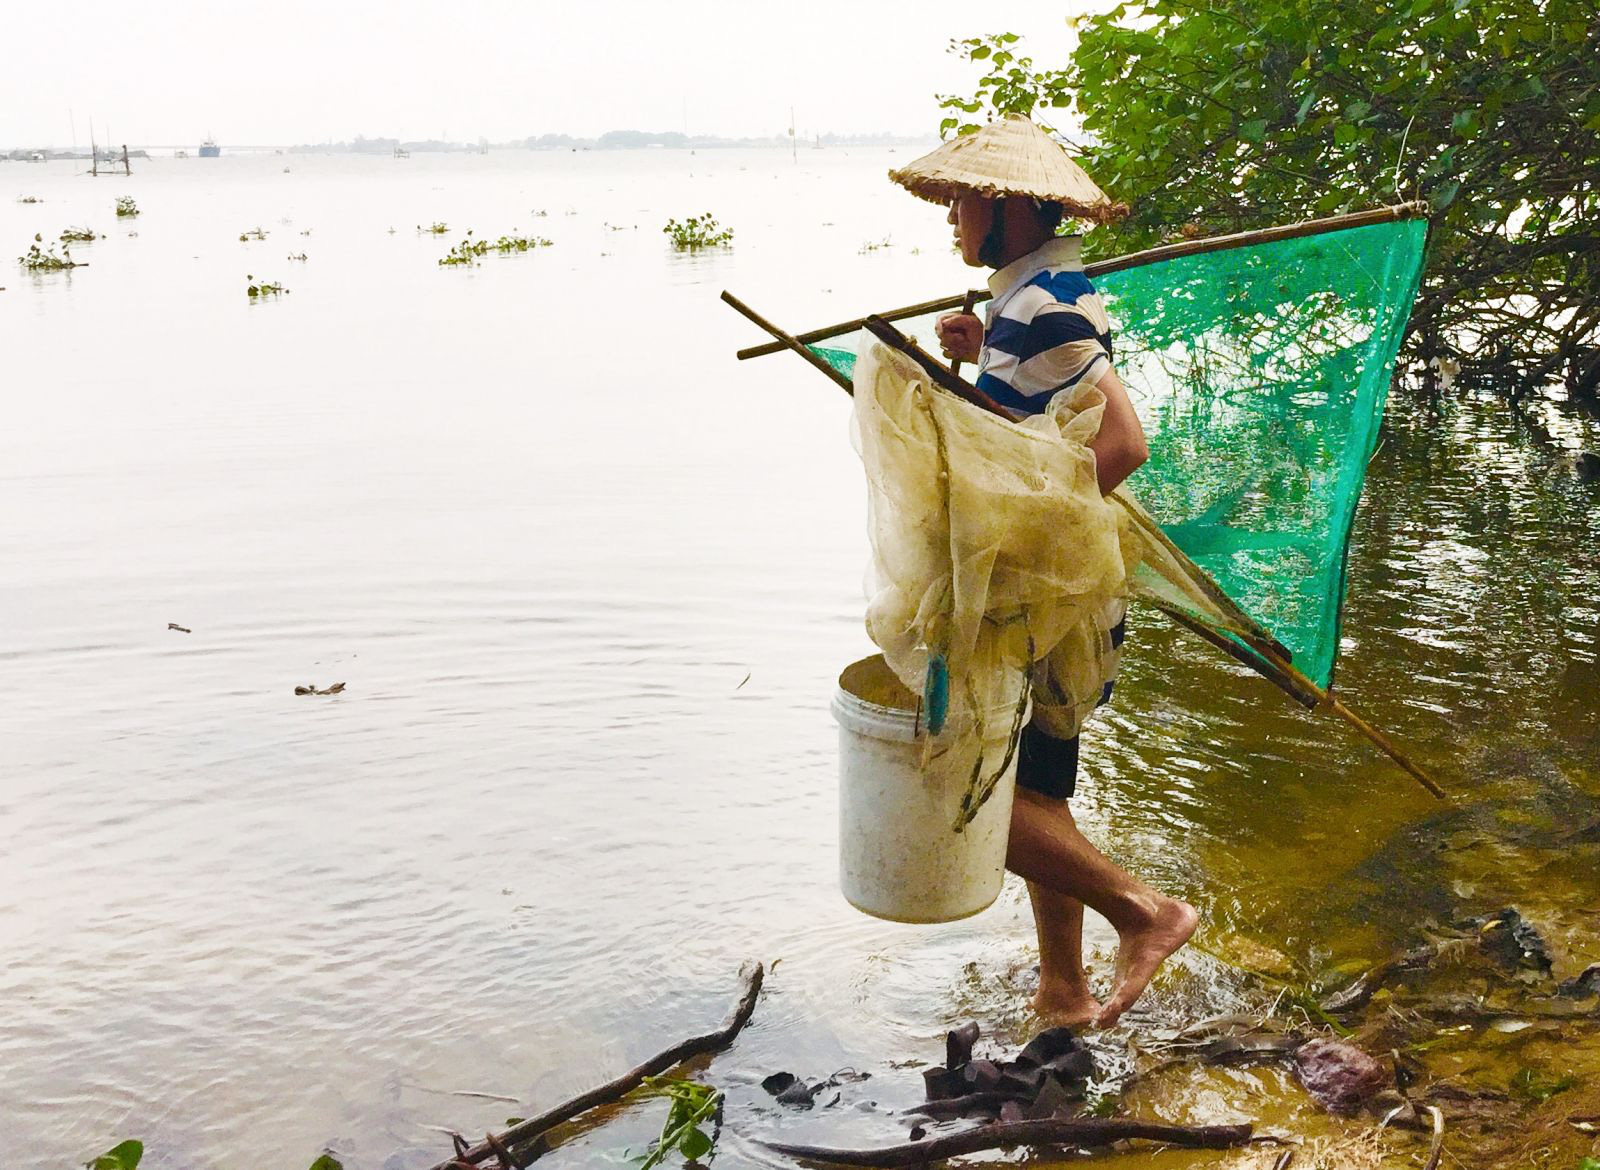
(588, 582)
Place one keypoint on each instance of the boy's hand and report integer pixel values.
(960, 336)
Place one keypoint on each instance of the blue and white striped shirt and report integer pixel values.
(1047, 329)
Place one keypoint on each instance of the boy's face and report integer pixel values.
(973, 216)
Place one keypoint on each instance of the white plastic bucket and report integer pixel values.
(900, 857)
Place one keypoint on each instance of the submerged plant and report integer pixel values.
(252, 234)
(78, 235)
(126, 206)
(264, 289)
(693, 1104)
(698, 231)
(46, 260)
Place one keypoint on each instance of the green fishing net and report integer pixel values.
(1260, 375)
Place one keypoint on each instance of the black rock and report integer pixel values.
(1585, 984)
(798, 1094)
(778, 1082)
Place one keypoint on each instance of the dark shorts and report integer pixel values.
(1049, 766)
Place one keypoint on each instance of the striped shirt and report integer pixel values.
(1047, 329)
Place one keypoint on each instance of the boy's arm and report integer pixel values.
(1119, 449)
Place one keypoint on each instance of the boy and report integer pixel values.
(1008, 187)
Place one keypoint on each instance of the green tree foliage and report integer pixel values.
(1239, 114)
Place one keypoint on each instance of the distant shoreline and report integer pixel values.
(611, 140)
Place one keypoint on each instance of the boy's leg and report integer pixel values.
(1063, 998)
(1047, 849)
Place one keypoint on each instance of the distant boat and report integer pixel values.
(180, 154)
(210, 149)
(36, 156)
(401, 152)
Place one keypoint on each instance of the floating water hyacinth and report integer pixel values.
(698, 231)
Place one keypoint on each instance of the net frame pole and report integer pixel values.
(786, 341)
(1261, 656)
(1288, 231)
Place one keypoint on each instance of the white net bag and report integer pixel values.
(993, 552)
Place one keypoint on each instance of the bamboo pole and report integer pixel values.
(1289, 231)
(785, 341)
(852, 326)
(1265, 655)
(931, 366)
(968, 302)
(1384, 743)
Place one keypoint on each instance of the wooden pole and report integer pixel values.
(1267, 656)
(1290, 231)
(785, 341)
(931, 366)
(967, 304)
(1384, 744)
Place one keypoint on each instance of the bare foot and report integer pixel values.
(1141, 950)
(1066, 1006)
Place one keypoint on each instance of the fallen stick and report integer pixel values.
(1086, 1131)
(751, 973)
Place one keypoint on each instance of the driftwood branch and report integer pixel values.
(526, 1131)
(1088, 1131)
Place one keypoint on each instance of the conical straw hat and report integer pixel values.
(1013, 156)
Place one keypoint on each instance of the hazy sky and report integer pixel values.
(309, 70)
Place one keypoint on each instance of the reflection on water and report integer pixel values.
(543, 527)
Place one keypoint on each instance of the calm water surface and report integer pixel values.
(588, 582)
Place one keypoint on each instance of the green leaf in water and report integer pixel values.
(327, 1162)
(122, 1156)
(1539, 1087)
(695, 1144)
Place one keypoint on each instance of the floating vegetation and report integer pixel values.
(437, 228)
(46, 260)
(126, 206)
(312, 689)
(123, 1156)
(692, 1105)
(252, 234)
(300, 257)
(469, 249)
(81, 235)
(519, 243)
(29, 199)
(466, 252)
(264, 289)
(698, 231)
(876, 245)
